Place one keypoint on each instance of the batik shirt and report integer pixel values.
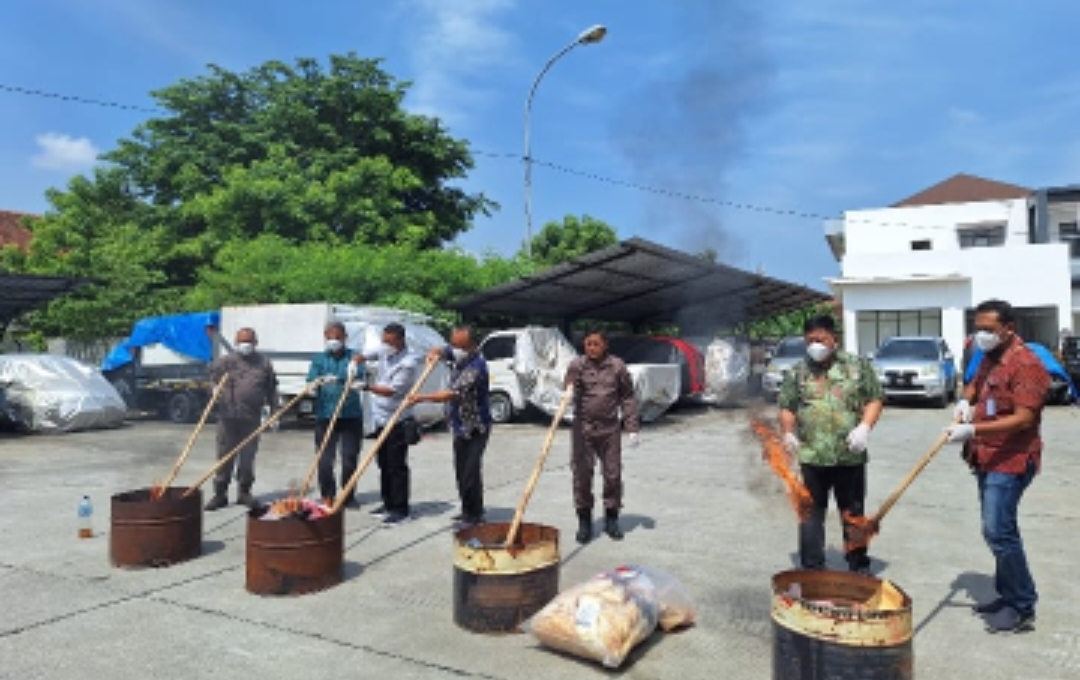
(828, 405)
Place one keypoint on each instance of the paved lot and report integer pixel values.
(699, 504)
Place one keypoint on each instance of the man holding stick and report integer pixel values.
(398, 369)
(470, 417)
(829, 403)
(332, 371)
(604, 404)
(999, 420)
(249, 394)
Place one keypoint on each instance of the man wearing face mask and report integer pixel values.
(251, 389)
(469, 415)
(998, 423)
(604, 406)
(398, 369)
(829, 403)
(333, 371)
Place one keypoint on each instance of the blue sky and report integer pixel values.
(813, 106)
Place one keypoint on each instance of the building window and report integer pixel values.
(874, 327)
(982, 237)
(921, 245)
(1069, 232)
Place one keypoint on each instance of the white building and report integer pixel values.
(919, 267)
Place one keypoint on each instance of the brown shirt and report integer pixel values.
(252, 385)
(603, 391)
(1014, 378)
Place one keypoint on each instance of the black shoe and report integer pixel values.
(611, 525)
(352, 503)
(393, 519)
(218, 502)
(988, 608)
(246, 499)
(584, 532)
(378, 512)
(1008, 620)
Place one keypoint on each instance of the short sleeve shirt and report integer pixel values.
(828, 404)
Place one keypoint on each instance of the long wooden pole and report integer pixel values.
(347, 490)
(326, 438)
(544, 450)
(194, 435)
(919, 467)
(247, 440)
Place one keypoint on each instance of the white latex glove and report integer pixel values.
(350, 372)
(792, 444)
(634, 440)
(960, 433)
(859, 438)
(964, 412)
(266, 416)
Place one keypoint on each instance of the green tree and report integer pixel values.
(562, 241)
(306, 154)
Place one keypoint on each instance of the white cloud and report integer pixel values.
(64, 152)
(456, 44)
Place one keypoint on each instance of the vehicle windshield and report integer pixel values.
(790, 348)
(909, 349)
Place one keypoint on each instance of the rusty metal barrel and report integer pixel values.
(155, 533)
(496, 588)
(294, 556)
(829, 624)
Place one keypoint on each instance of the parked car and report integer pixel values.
(506, 397)
(785, 355)
(917, 368)
(50, 393)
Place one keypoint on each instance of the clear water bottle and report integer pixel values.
(86, 518)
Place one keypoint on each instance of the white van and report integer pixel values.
(506, 397)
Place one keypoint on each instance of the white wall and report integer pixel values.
(891, 230)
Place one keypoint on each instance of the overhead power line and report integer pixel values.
(15, 89)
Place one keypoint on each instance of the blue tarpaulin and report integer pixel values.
(1053, 366)
(183, 333)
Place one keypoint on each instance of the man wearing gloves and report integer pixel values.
(333, 371)
(251, 390)
(829, 403)
(998, 424)
(604, 404)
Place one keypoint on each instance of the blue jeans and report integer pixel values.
(999, 497)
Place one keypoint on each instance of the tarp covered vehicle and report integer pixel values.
(48, 393)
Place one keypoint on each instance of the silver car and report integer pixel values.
(785, 355)
(917, 368)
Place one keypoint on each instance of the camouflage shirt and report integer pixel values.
(828, 405)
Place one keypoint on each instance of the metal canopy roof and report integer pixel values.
(640, 282)
(20, 293)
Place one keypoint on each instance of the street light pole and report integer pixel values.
(589, 36)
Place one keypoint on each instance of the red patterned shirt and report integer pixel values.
(1013, 379)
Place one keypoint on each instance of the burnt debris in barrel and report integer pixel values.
(294, 555)
(155, 533)
(830, 624)
(496, 588)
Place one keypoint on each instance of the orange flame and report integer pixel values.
(858, 531)
(777, 458)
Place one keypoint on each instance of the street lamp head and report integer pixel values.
(593, 34)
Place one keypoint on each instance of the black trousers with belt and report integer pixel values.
(393, 460)
(847, 483)
(348, 433)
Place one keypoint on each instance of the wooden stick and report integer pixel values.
(326, 439)
(347, 490)
(539, 468)
(247, 440)
(919, 467)
(194, 435)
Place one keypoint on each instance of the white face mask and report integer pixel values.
(459, 354)
(389, 349)
(245, 348)
(818, 352)
(334, 345)
(987, 341)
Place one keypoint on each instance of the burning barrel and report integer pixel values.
(497, 587)
(837, 625)
(155, 533)
(294, 555)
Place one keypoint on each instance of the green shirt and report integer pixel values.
(327, 396)
(828, 405)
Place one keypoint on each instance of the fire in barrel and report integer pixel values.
(294, 547)
(155, 527)
(498, 586)
(829, 624)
